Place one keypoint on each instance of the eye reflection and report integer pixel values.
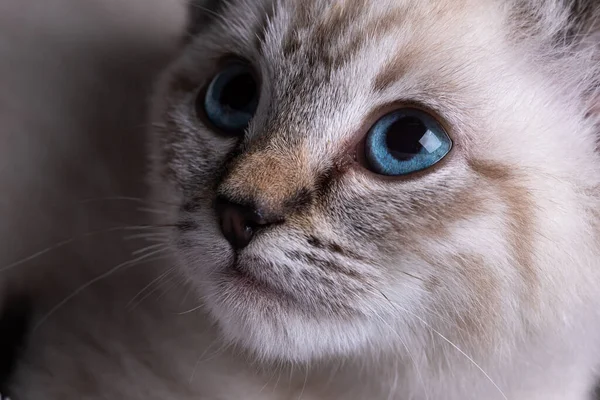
(405, 141)
(231, 99)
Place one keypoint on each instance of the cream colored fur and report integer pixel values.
(502, 238)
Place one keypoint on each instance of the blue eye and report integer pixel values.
(231, 99)
(405, 141)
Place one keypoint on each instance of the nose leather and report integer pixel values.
(239, 222)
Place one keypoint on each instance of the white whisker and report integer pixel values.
(133, 302)
(191, 310)
(414, 361)
(153, 211)
(219, 351)
(304, 385)
(149, 236)
(470, 359)
(91, 282)
(66, 242)
(151, 247)
(128, 199)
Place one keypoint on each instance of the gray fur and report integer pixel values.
(476, 279)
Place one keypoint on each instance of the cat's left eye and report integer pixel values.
(405, 141)
(231, 99)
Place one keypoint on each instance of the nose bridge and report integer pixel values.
(271, 178)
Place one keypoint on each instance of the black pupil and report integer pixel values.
(403, 137)
(239, 92)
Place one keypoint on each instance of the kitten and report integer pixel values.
(392, 199)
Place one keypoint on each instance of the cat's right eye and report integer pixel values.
(230, 100)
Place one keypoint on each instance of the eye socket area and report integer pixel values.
(403, 142)
(230, 100)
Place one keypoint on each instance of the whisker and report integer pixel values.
(278, 380)
(470, 359)
(93, 281)
(206, 10)
(134, 303)
(220, 350)
(414, 361)
(153, 226)
(66, 242)
(173, 283)
(217, 16)
(151, 239)
(151, 124)
(148, 248)
(275, 368)
(304, 385)
(138, 200)
(187, 294)
(153, 211)
(191, 310)
(149, 236)
(193, 374)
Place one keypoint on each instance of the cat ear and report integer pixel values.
(585, 34)
(568, 32)
(201, 13)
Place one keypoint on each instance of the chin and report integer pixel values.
(276, 325)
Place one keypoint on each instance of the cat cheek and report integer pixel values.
(203, 250)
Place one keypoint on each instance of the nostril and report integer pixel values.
(257, 219)
(239, 222)
(235, 227)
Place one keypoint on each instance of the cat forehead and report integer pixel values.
(359, 53)
(328, 35)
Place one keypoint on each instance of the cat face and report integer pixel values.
(351, 175)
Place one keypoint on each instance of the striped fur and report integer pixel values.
(477, 279)
(490, 249)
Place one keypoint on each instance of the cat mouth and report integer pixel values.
(242, 278)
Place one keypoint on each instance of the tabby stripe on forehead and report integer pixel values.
(337, 19)
(330, 28)
(391, 73)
